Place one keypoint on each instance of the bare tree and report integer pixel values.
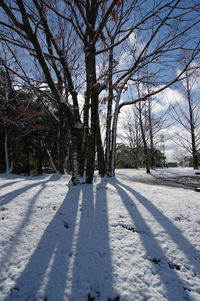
(179, 155)
(141, 130)
(187, 116)
(131, 136)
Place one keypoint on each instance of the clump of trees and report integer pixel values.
(141, 135)
(99, 50)
(25, 128)
(127, 157)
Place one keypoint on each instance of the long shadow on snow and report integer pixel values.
(175, 234)
(51, 258)
(10, 196)
(14, 239)
(171, 280)
(53, 267)
(92, 269)
(10, 183)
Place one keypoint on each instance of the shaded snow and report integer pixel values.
(114, 240)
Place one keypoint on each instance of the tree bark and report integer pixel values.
(100, 154)
(27, 161)
(146, 153)
(92, 89)
(92, 139)
(8, 164)
(51, 160)
(61, 146)
(192, 127)
(109, 113)
(152, 158)
(111, 165)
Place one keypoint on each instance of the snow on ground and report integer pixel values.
(115, 240)
(158, 173)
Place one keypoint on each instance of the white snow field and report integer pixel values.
(115, 240)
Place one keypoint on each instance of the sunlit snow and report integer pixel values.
(115, 240)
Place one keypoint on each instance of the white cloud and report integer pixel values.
(193, 76)
(136, 43)
(136, 46)
(124, 58)
(170, 96)
(132, 38)
(196, 85)
(159, 106)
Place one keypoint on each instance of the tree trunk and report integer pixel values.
(111, 165)
(77, 160)
(85, 128)
(100, 153)
(75, 140)
(9, 166)
(109, 112)
(152, 157)
(146, 154)
(61, 146)
(40, 158)
(27, 162)
(93, 90)
(92, 139)
(14, 154)
(194, 150)
(51, 160)
(192, 128)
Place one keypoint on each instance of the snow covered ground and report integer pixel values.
(115, 240)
